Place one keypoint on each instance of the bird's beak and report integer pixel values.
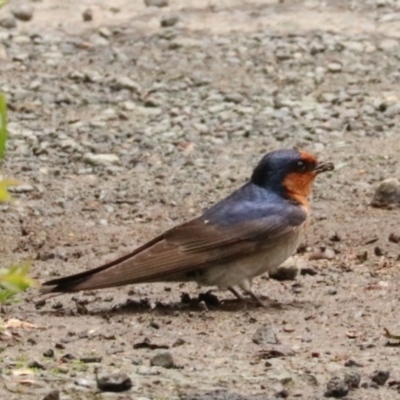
(323, 167)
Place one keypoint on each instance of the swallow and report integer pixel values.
(247, 234)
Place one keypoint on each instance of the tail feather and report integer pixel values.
(96, 278)
(82, 281)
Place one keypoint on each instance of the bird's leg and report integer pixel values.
(235, 293)
(255, 298)
(246, 286)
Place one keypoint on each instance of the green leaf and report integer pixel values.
(6, 297)
(4, 184)
(3, 124)
(14, 280)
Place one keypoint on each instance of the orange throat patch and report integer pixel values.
(299, 185)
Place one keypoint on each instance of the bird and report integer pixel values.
(249, 233)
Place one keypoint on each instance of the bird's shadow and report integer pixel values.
(204, 302)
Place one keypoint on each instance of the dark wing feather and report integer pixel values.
(185, 248)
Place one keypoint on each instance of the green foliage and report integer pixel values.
(14, 279)
(3, 125)
(4, 183)
(3, 3)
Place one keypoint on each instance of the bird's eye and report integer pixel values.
(300, 166)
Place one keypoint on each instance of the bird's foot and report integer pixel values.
(236, 293)
(254, 297)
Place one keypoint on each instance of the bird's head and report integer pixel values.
(289, 172)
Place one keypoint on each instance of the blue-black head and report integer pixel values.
(288, 171)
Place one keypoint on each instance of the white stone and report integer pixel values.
(101, 159)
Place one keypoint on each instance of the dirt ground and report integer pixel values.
(184, 113)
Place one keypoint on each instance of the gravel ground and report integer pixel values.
(121, 127)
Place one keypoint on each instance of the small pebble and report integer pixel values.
(154, 325)
(156, 3)
(124, 82)
(276, 351)
(164, 360)
(394, 238)
(118, 382)
(57, 306)
(283, 394)
(352, 379)
(289, 270)
(169, 20)
(285, 273)
(352, 363)
(337, 388)
(84, 383)
(8, 22)
(380, 377)
(335, 67)
(53, 395)
(105, 32)
(91, 359)
(308, 271)
(101, 159)
(137, 361)
(23, 11)
(87, 15)
(387, 193)
(234, 98)
(40, 303)
(178, 342)
(49, 353)
(378, 251)
(67, 357)
(25, 188)
(35, 364)
(265, 335)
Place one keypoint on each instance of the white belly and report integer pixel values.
(244, 269)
